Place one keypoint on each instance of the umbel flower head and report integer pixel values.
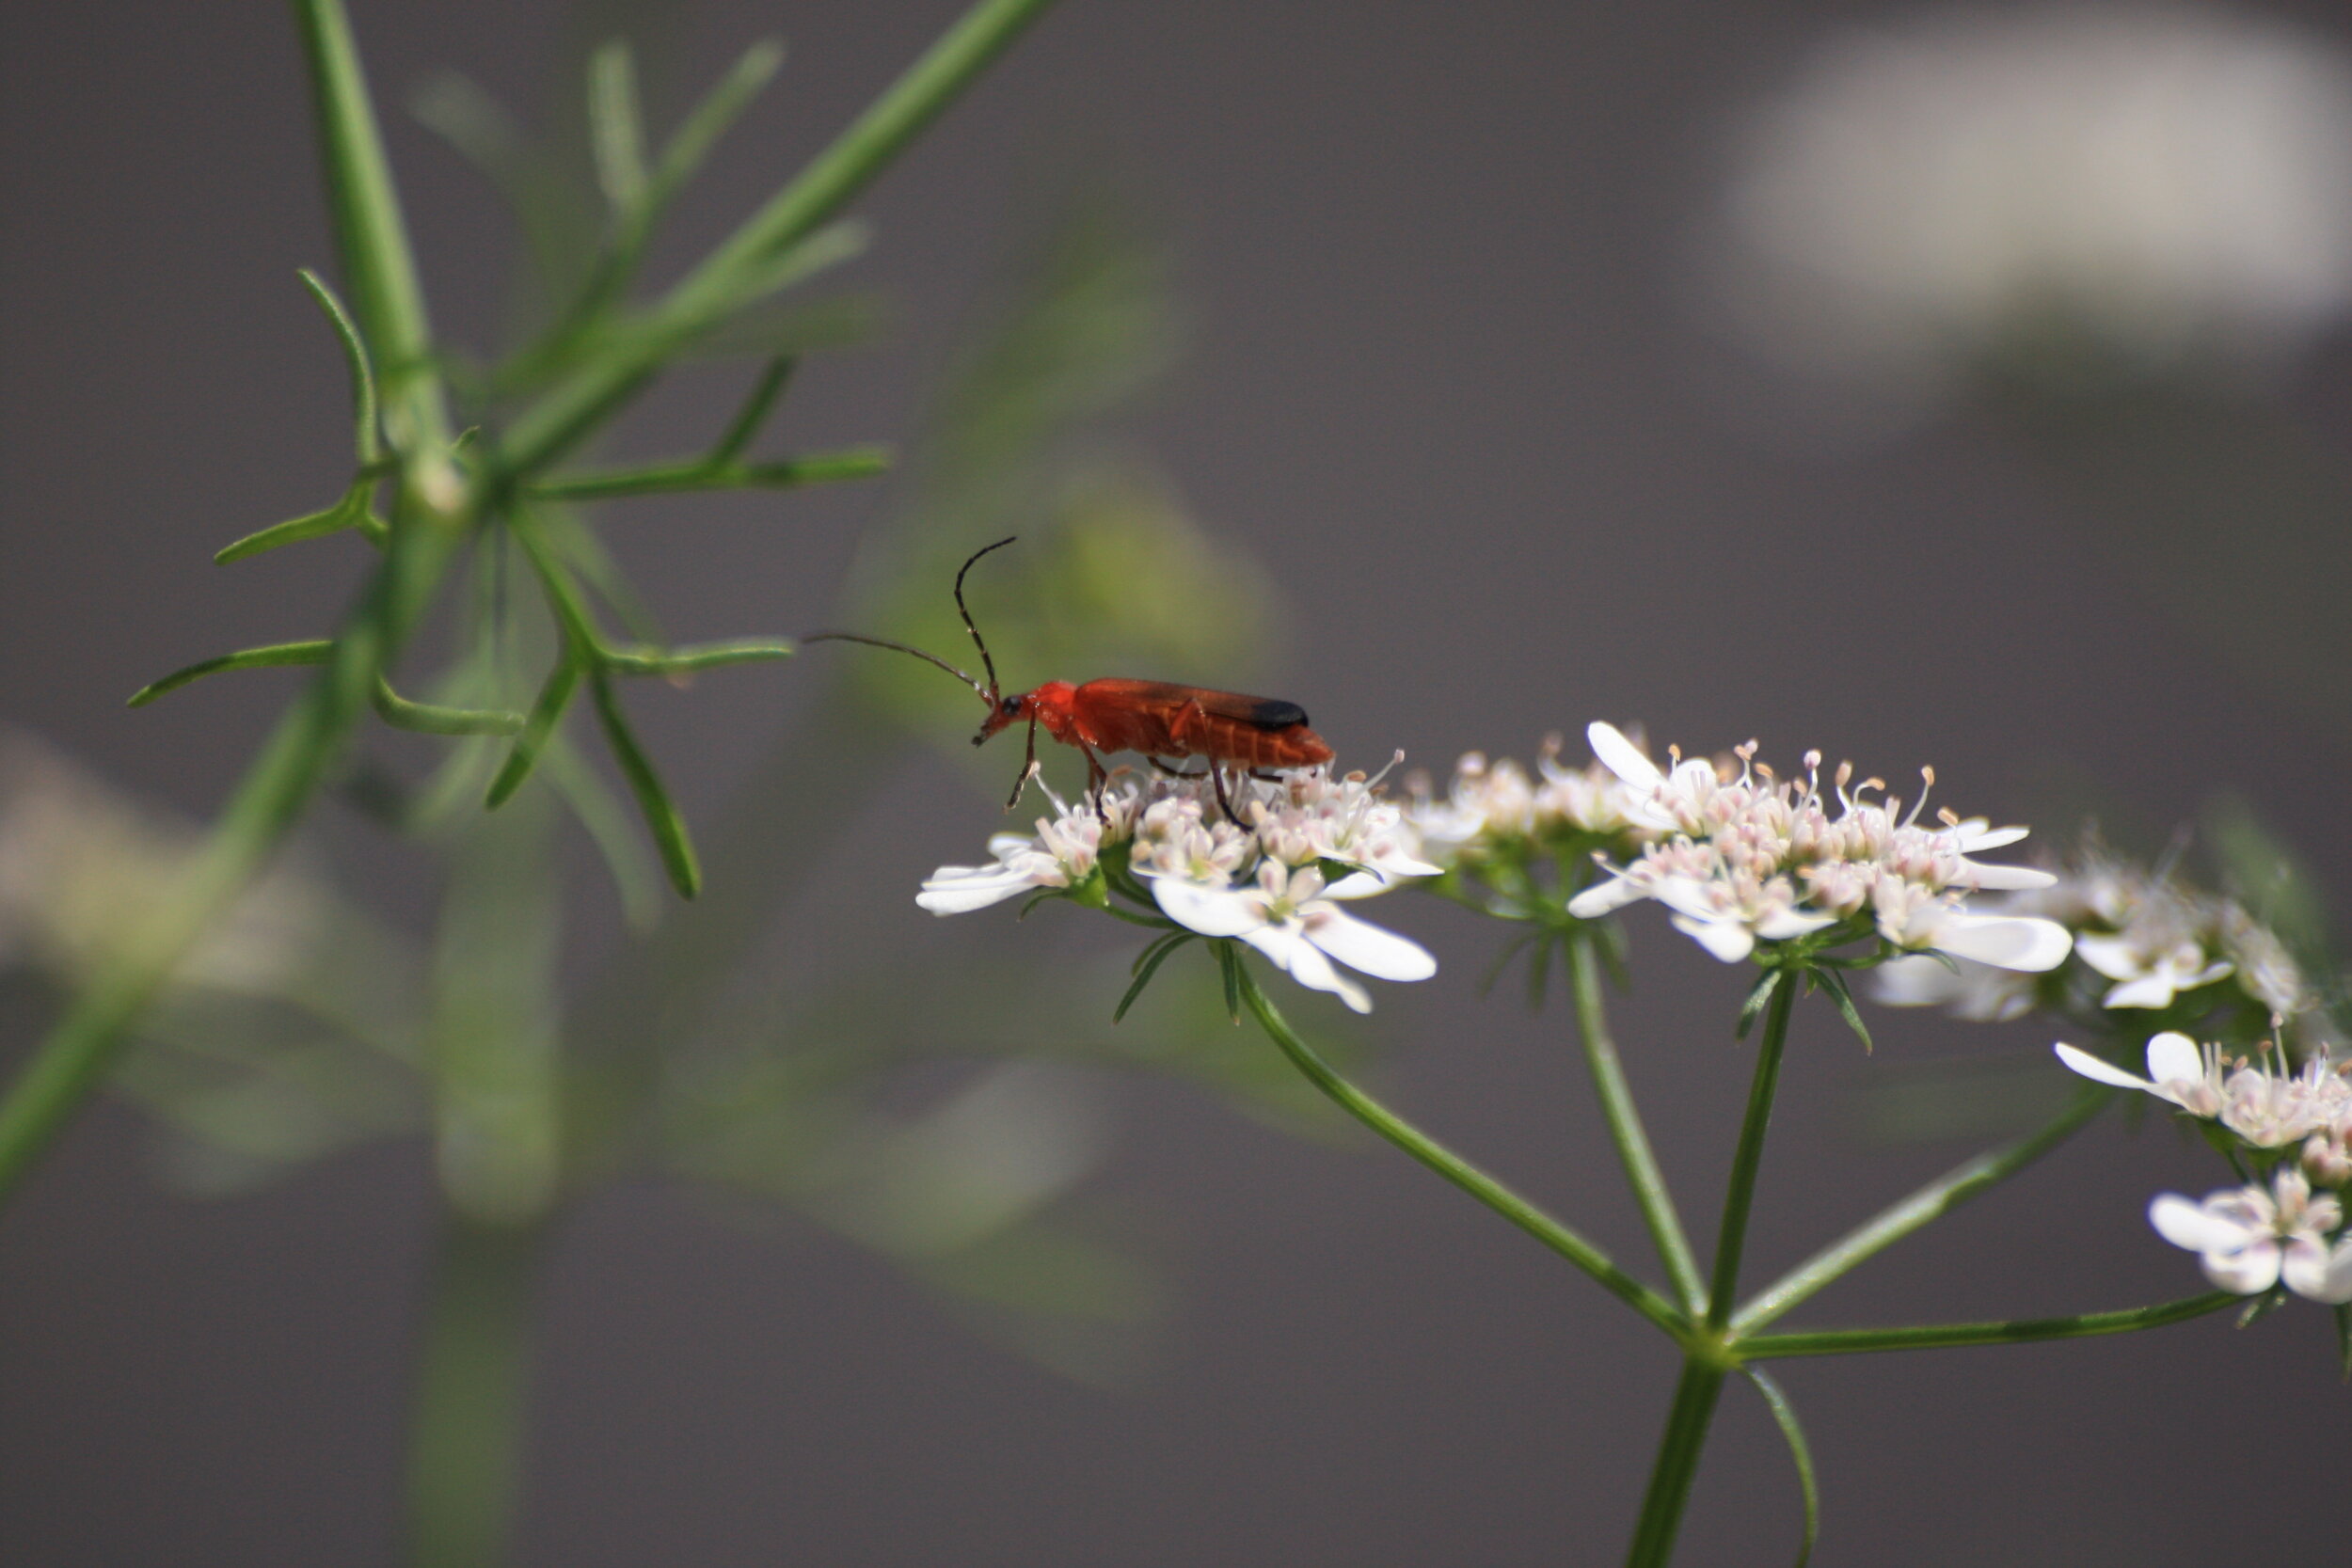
(1306, 844)
(2147, 941)
(1741, 856)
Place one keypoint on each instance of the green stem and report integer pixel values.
(1846, 1341)
(1678, 1463)
(1935, 1200)
(824, 188)
(1625, 1126)
(1439, 1158)
(69, 1066)
(1739, 1195)
(465, 1454)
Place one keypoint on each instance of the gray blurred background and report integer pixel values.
(1464, 376)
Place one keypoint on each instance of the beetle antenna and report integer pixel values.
(986, 663)
(988, 693)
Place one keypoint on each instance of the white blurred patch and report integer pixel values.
(2085, 191)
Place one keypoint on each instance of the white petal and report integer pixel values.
(2305, 1269)
(2149, 991)
(1292, 952)
(961, 889)
(1213, 912)
(1916, 980)
(2248, 1272)
(1785, 924)
(1975, 836)
(2104, 1072)
(2008, 879)
(2190, 1224)
(2334, 1283)
(1725, 939)
(2112, 956)
(2174, 1055)
(2005, 942)
(1599, 899)
(1622, 757)
(1361, 946)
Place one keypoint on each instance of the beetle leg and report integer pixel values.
(1217, 779)
(1028, 767)
(1097, 776)
(1173, 772)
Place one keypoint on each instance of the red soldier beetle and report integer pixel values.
(1158, 719)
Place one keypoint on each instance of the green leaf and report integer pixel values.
(578, 546)
(710, 120)
(352, 511)
(677, 477)
(546, 713)
(616, 130)
(841, 241)
(1835, 983)
(1511, 949)
(1148, 964)
(1758, 994)
(433, 719)
(696, 656)
(318, 652)
(369, 445)
(1229, 961)
(754, 413)
(2262, 1306)
(669, 837)
(1785, 1415)
(606, 821)
(1538, 971)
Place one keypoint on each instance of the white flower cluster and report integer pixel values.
(2251, 1238)
(1740, 856)
(2151, 940)
(1266, 883)
(2165, 182)
(1488, 805)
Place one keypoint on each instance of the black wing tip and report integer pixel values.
(1271, 713)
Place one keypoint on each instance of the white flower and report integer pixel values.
(1179, 836)
(1063, 854)
(1978, 993)
(2327, 1154)
(2160, 184)
(1288, 916)
(1743, 857)
(1315, 817)
(1020, 867)
(2264, 1102)
(2250, 1239)
(2146, 979)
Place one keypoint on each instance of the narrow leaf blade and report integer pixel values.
(669, 837)
(1835, 983)
(1785, 1417)
(710, 120)
(344, 513)
(363, 402)
(1155, 956)
(617, 129)
(1753, 1006)
(318, 652)
(555, 696)
(433, 719)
